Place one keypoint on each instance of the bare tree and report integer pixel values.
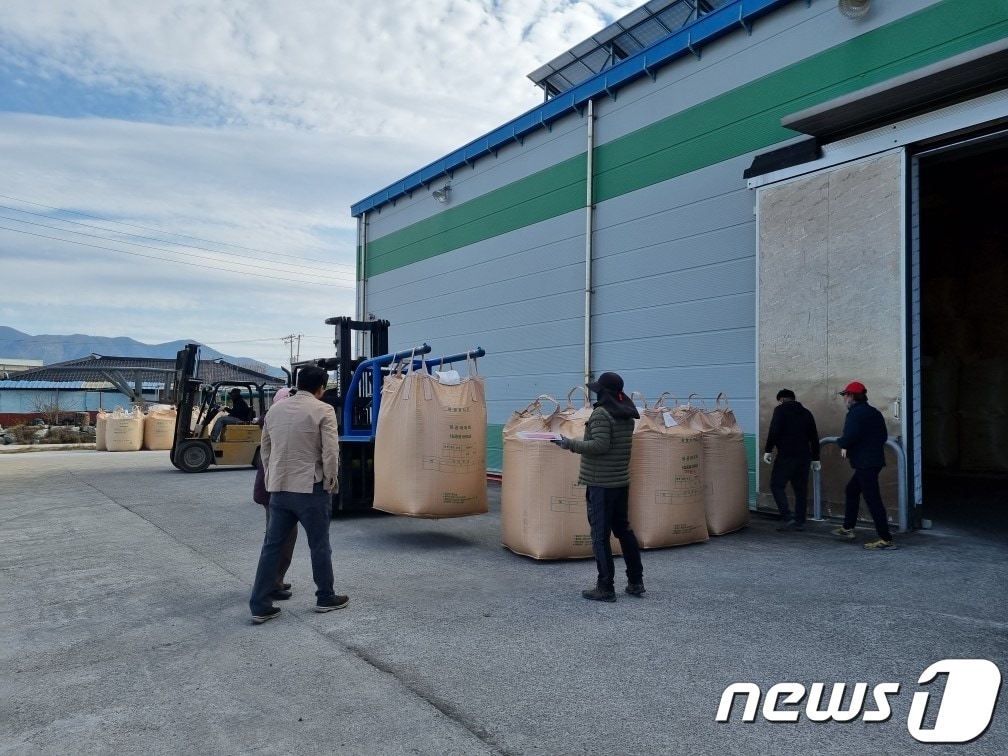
(51, 405)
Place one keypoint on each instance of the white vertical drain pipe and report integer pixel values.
(362, 282)
(589, 224)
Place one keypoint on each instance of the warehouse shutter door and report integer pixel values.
(831, 303)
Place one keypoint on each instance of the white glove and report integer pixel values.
(817, 466)
(768, 458)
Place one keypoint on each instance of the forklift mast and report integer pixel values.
(356, 476)
(373, 342)
(184, 392)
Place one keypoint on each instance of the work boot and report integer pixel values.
(600, 593)
(635, 589)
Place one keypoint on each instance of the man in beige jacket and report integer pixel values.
(300, 457)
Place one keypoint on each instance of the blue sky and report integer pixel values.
(175, 170)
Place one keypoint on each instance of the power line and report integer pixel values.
(195, 265)
(145, 228)
(135, 244)
(148, 238)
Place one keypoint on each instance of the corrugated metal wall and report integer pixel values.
(502, 263)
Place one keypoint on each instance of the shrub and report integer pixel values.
(23, 434)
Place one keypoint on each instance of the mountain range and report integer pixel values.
(16, 345)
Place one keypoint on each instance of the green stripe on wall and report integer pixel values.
(541, 196)
(732, 124)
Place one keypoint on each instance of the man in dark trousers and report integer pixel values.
(300, 457)
(793, 433)
(605, 471)
(863, 444)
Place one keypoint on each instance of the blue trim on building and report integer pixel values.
(688, 40)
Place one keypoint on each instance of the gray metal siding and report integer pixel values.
(515, 295)
(539, 151)
(790, 34)
(675, 273)
(675, 276)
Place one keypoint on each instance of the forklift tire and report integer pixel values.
(194, 456)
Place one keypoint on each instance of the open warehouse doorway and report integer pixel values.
(960, 330)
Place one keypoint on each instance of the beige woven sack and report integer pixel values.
(726, 468)
(666, 480)
(430, 447)
(159, 428)
(124, 430)
(101, 420)
(543, 509)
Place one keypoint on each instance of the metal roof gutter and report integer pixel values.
(688, 40)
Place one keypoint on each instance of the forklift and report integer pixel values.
(198, 406)
(355, 395)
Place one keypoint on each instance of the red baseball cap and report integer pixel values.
(854, 387)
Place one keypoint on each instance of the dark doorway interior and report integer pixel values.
(964, 336)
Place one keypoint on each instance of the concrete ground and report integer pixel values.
(126, 630)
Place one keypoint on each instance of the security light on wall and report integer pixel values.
(854, 8)
(441, 195)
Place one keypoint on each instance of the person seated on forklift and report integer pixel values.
(238, 413)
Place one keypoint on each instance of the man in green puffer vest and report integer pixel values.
(605, 471)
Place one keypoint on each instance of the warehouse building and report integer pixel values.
(731, 196)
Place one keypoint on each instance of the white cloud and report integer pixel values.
(254, 124)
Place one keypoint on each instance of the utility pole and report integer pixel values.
(290, 339)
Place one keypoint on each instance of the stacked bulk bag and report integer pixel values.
(726, 467)
(101, 420)
(543, 510)
(430, 446)
(159, 428)
(666, 480)
(124, 430)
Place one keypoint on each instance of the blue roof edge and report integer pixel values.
(689, 39)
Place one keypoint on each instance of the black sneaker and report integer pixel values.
(273, 611)
(329, 605)
(792, 525)
(635, 589)
(600, 594)
(788, 524)
(281, 595)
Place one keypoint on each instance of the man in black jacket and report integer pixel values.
(793, 432)
(863, 444)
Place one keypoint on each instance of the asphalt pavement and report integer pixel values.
(126, 630)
